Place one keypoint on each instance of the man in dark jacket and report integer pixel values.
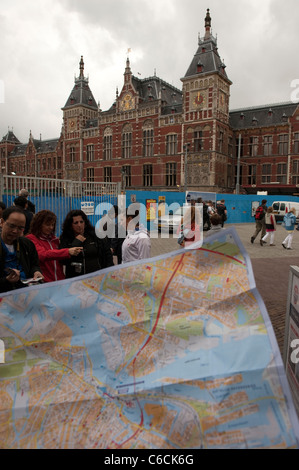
(18, 255)
(260, 224)
(222, 211)
(22, 202)
(31, 206)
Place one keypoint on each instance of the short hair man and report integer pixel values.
(137, 244)
(260, 222)
(18, 255)
(222, 211)
(24, 193)
(22, 202)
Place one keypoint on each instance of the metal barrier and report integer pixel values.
(60, 196)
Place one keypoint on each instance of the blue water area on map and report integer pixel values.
(251, 352)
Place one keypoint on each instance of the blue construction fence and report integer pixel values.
(239, 206)
(61, 205)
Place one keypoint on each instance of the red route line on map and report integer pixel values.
(223, 254)
(148, 340)
(156, 323)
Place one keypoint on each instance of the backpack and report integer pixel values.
(259, 213)
(220, 209)
(289, 221)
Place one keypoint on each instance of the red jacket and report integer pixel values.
(49, 256)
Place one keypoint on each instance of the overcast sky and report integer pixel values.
(42, 42)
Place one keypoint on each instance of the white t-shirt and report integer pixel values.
(137, 245)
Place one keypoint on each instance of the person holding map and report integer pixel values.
(18, 256)
(77, 231)
(42, 234)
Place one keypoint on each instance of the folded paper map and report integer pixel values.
(174, 352)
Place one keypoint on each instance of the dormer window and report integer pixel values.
(254, 121)
(284, 117)
(222, 67)
(242, 116)
(199, 67)
(270, 112)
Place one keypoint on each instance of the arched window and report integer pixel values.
(127, 141)
(107, 147)
(148, 139)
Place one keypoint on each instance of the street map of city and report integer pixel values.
(173, 352)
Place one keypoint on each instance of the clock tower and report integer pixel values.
(128, 96)
(79, 109)
(80, 106)
(206, 90)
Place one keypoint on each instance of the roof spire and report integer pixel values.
(128, 68)
(128, 73)
(208, 25)
(81, 64)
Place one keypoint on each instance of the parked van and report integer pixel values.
(280, 208)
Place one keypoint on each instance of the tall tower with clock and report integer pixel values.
(80, 108)
(206, 90)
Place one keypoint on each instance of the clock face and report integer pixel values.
(222, 100)
(198, 99)
(72, 124)
(127, 102)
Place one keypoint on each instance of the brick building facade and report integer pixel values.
(155, 136)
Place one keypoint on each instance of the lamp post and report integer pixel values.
(238, 166)
(186, 148)
(123, 179)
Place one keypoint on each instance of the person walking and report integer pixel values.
(137, 244)
(42, 234)
(18, 256)
(77, 231)
(260, 224)
(289, 221)
(270, 226)
(222, 211)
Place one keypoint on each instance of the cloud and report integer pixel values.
(42, 43)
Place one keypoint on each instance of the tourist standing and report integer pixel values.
(18, 256)
(43, 235)
(137, 244)
(77, 231)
